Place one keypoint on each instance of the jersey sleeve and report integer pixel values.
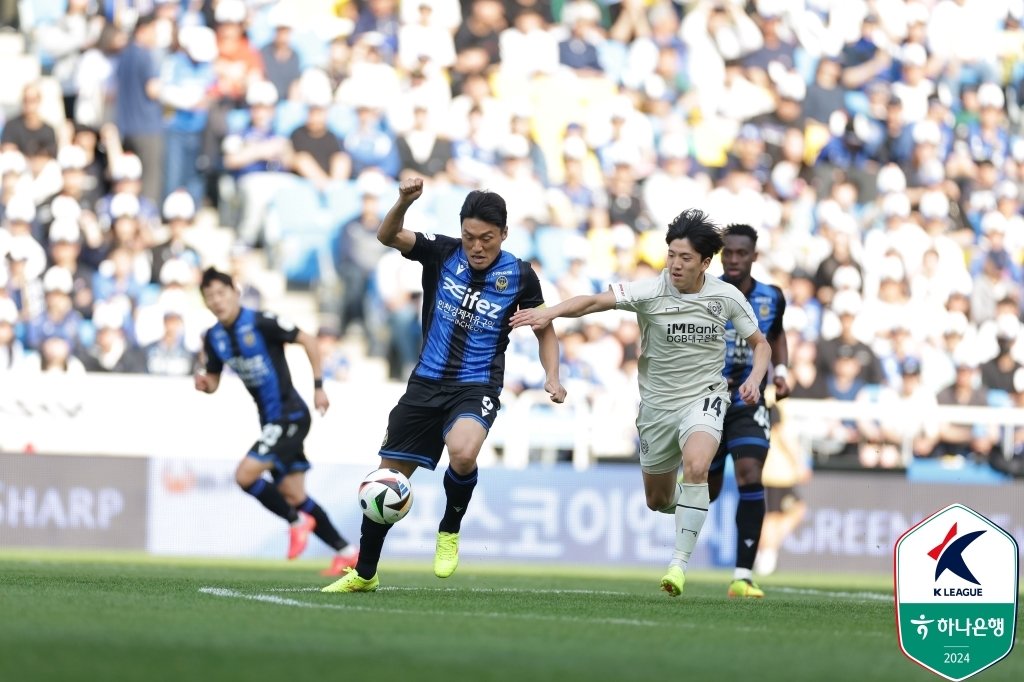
(430, 248)
(214, 365)
(532, 296)
(742, 315)
(276, 328)
(780, 311)
(634, 296)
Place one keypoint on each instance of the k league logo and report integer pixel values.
(955, 578)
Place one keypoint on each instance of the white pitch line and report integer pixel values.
(476, 590)
(858, 596)
(283, 601)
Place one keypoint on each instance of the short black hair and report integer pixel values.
(742, 230)
(696, 226)
(212, 274)
(486, 206)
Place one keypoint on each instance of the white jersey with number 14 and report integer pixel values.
(682, 336)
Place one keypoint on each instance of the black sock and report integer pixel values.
(749, 519)
(459, 490)
(270, 497)
(371, 543)
(324, 530)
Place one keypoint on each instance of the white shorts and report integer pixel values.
(663, 433)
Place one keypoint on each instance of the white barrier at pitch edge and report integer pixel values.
(133, 415)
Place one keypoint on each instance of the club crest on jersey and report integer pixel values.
(763, 311)
(501, 283)
(249, 339)
(715, 308)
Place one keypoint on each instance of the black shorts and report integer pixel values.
(424, 415)
(281, 444)
(746, 433)
(780, 499)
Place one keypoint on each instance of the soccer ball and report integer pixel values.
(385, 496)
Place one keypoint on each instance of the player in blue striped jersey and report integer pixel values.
(470, 290)
(251, 343)
(748, 427)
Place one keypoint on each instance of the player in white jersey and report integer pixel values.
(683, 396)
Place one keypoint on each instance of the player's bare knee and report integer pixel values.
(245, 476)
(695, 474)
(658, 500)
(462, 459)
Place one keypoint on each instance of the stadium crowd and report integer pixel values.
(876, 145)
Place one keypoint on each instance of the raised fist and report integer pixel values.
(410, 189)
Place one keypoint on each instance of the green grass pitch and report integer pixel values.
(130, 617)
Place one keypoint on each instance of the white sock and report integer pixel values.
(691, 511)
(347, 550)
(742, 574)
(670, 508)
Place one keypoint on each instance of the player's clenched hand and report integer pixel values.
(555, 390)
(410, 189)
(202, 382)
(750, 391)
(781, 388)
(532, 317)
(320, 401)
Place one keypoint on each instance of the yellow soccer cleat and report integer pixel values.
(446, 555)
(673, 581)
(352, 582)
(745, 588)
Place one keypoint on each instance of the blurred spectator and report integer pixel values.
(56, 357)
(257, 158)
(179, 211)
(998, 372)
(139, 111)
(908, 420)
(824, 95)
(187, 86)
(398, 291)
(65, 241)
(965, 440)
(58, 318)
(380, 17)
(846, 344)
(280, 60)
(371, 144)
(28, 132)
(579, 50)
(359, 252)
(841, 441)
(421, 150)
(19, 234)
(477, 41)
(168, 356)
(318, 154)
(112, 351)
(425, 44)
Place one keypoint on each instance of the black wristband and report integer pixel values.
(318, 384)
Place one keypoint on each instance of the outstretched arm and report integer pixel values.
(548, 343)
(750, 390)
(577, 306)
(391, 231)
